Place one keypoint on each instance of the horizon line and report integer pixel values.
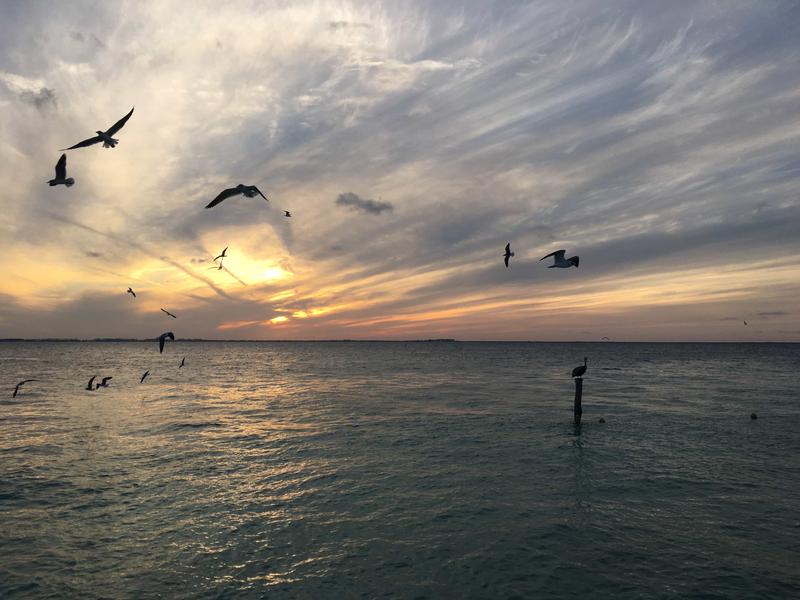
(402, 341)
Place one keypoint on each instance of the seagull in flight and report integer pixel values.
(61, 173)
(249, 191)
(162, 338)
(19, 385)
(89, 385)
(183, 362)
(561, 262)
(104, 136)
(103, 383)
(146, 373)
(169, 313)
(508, 253)
(286, 213)
(745, 322)
(131, 292)
(222, 254)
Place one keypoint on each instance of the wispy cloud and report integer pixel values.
(355, 202)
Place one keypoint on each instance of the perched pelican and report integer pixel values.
(183, 362)
(168, 313)
(131, 292)
(146, 373)
(508, 253)
(248, 191)
(89, 385)
(104, 136)
(103, 383)
(19, 385)
(286, 213)
(579, 371)
(560, 261)
(61, 173)
(222, 255)
(162, 338)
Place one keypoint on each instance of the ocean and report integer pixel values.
(399, 470)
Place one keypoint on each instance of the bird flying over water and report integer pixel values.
(508, 253)
(745, 322)
(103, 382)
(89, 385)
(248, 191)
(561, 262)
(162, 338)
(104, 136)
(146, 373)
(61, 173)
(169, 313)
(221, 255)
(19, 385)
(183, 362)
(579, 371)
(286, 213)
(131, 292)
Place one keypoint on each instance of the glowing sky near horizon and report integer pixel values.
(410, 140)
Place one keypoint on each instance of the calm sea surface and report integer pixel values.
(401, 470)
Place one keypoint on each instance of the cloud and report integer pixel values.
(353, 201)
(772, 313)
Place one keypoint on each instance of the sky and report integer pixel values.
(658, 141)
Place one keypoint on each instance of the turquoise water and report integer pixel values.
(403, 470)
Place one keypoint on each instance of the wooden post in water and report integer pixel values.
(577, 410)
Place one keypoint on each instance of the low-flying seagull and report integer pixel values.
(131, 292)
(162, 338)
(89, 385)
(183, 362)
(579, 371)
(222, 254)
(104, 136)
(248, 191)
(104, 382)
(286, 213)
(19, 385)
(508, 253)
(61, 173)
(561, 262)
(146, 373)
(169, 313)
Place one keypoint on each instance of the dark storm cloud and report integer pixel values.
(355, 202)
(42, 99)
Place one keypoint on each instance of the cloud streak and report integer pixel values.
(355, 202)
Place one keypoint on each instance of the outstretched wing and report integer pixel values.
(119, 124)
(262, 195)
(508, 248)
(61, 167)
(85, 143)
(146, 373)
(105, 379)
(223, 195)
(161, 342)
(505, 258)
(559, 255)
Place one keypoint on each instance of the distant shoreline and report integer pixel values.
(422, 341)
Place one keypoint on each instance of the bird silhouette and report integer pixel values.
(131, 292)
(168, 313)
(579, 371)
(103, 382)
(183, 362)
(221, 255)
(286, 213)
(146, 373)
(19, 385)
(508, 253)
(104, 136)
(61, 173)
(89, 385)
(560, 262)
(249, 191)
(162, 338)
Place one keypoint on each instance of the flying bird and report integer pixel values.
(561, 262)
(104, 136)
(131, 292)
(169, 313)
(183, 362)
(146, 373)
(745, 322)
(222, 255)
(104, 382)
(286, 213)
(606, 338)
(89, 385)
(162, 338)
(19, 385)
(579, 371)
(248, 191)
(61, 173)
(508, 253)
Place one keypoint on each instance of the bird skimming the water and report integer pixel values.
(249, 191)
(89, 385)
(104, 136)
(146, 373)
(169, 313)
(61, 173)
(560, 261)
(131, 292)
(183, 362)
(103, 382)
(19, 385)
(508, 253)
(162, 338)
(579, 371)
